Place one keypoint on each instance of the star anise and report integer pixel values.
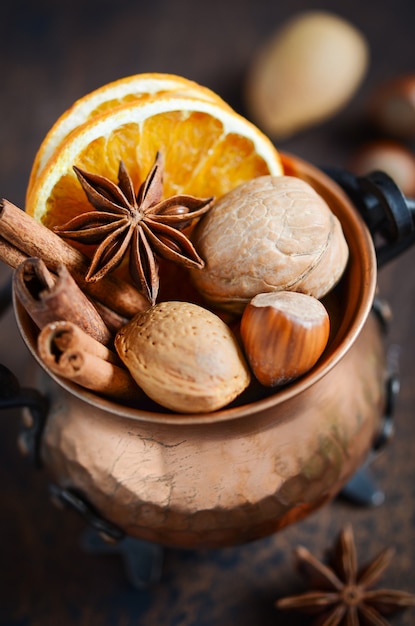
(144, 224)
(342, 594)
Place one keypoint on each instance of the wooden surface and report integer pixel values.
(51, 53)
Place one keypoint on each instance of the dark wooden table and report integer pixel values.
(51, 53)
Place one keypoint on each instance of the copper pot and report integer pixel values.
(244, 472)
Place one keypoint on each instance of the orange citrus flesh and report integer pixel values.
(208, 149)
(139, 87)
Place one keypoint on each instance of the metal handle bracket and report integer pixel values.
(12, 396)
(388, 214)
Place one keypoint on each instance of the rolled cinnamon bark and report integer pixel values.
(72, 354)
(33, 239)
(49, 297)
(68, 336)
(113, 320)
(9, 254)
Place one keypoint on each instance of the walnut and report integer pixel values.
(272, 233)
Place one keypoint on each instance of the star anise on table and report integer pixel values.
(341, 593)
(145, 225)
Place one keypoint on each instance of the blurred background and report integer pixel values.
(52, 53)
(55, 52)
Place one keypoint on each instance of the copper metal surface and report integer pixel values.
(246, 471)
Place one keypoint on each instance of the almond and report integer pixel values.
(308, 70)
(185, 357)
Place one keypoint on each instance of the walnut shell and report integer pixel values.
(184, 357)
(272, 233)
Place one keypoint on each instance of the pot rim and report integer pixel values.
(362, 247)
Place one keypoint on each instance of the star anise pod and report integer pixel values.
(144, 224)
(342, 594)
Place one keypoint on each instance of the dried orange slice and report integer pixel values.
(208, 149)
(138, 87)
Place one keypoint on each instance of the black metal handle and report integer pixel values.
(389, 215)
(5, 296)
(12, 395)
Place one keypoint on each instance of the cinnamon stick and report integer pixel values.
(13, 257)
(113, 321)
(10, 255)
(33, 239)
(66, 335)
(75, 356)
(49, 297)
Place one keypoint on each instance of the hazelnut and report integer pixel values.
(273, 233)
(391, 157)
(284, 334)
(185, 357)
(392, 107)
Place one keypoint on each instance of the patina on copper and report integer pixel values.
(246, 471)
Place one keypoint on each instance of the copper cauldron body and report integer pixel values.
(246, 471)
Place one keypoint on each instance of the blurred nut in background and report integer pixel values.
(306, 73)
(392, 107)
(390, 157)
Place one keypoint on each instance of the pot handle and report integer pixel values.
(388, 214)
(12, 395)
